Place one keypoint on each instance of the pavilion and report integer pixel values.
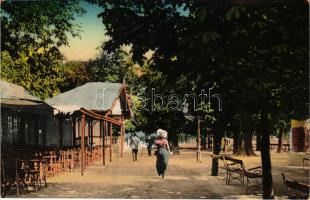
(90, 115)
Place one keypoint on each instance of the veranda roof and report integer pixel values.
(91, 96)
(15, 97)
(13, 91)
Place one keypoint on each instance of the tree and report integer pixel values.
(32, 32)
(249, 51)
(108, 67)
(283, 127)
(75, 74)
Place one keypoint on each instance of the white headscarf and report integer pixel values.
(162, 133)
(307, 125)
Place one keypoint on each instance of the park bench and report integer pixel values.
(295, 189)
(236, 170)
(285, 147)
(306, 158)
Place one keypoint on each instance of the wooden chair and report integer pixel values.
(65, 160)
(54, 165)
(31, 169)
(88, 157)
(12, 177)
(76, 157)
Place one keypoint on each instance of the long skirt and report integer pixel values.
(162, 161)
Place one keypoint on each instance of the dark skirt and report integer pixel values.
(162, 160)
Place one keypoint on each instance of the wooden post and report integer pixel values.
(40, 169)
(104, 130)
(122, 138)
(82, 142)
(100, 131)
(92, 133)
(198, 142)
(16, 177)
(111, 140)
(88, 132)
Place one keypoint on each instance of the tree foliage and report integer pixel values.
(250, 52)
(32, 32)
(255, 54)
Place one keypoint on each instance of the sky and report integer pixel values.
(92, 35)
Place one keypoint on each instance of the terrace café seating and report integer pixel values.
(28, 169)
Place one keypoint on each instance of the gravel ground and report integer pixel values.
(185, 178)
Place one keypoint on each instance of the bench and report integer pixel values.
(236, 170)
(306, 158)
(285, 147)
(295, 189)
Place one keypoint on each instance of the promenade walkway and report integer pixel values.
(184, 179)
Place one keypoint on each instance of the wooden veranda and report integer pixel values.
(43, 139)
(106, 124)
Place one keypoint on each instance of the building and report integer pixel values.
(102, 105)
(23, 118)
(27, 121)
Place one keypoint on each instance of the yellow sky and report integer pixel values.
(92, 35)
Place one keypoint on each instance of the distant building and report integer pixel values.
(299, 135)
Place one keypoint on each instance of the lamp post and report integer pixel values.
(192, 118)
(198, 141)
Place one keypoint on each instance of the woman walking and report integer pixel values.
(162, 145)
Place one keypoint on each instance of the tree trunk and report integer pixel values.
(237, 142)
(203, 140)
(217, 137)
(281, 130)
(265, 156)
(258, 140)
(173, 139)
(209, 135)
(243, 144)
(246, 147)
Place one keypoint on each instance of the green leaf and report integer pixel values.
(264, 17)
(230, 13)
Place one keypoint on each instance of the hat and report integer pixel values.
(162, 133)
(307, 124)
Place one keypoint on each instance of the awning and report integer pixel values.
(100, 117)
(65, 109)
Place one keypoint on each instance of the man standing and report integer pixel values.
(149, 142)
(134, 144)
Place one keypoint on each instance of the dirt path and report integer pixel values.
(184, 179)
